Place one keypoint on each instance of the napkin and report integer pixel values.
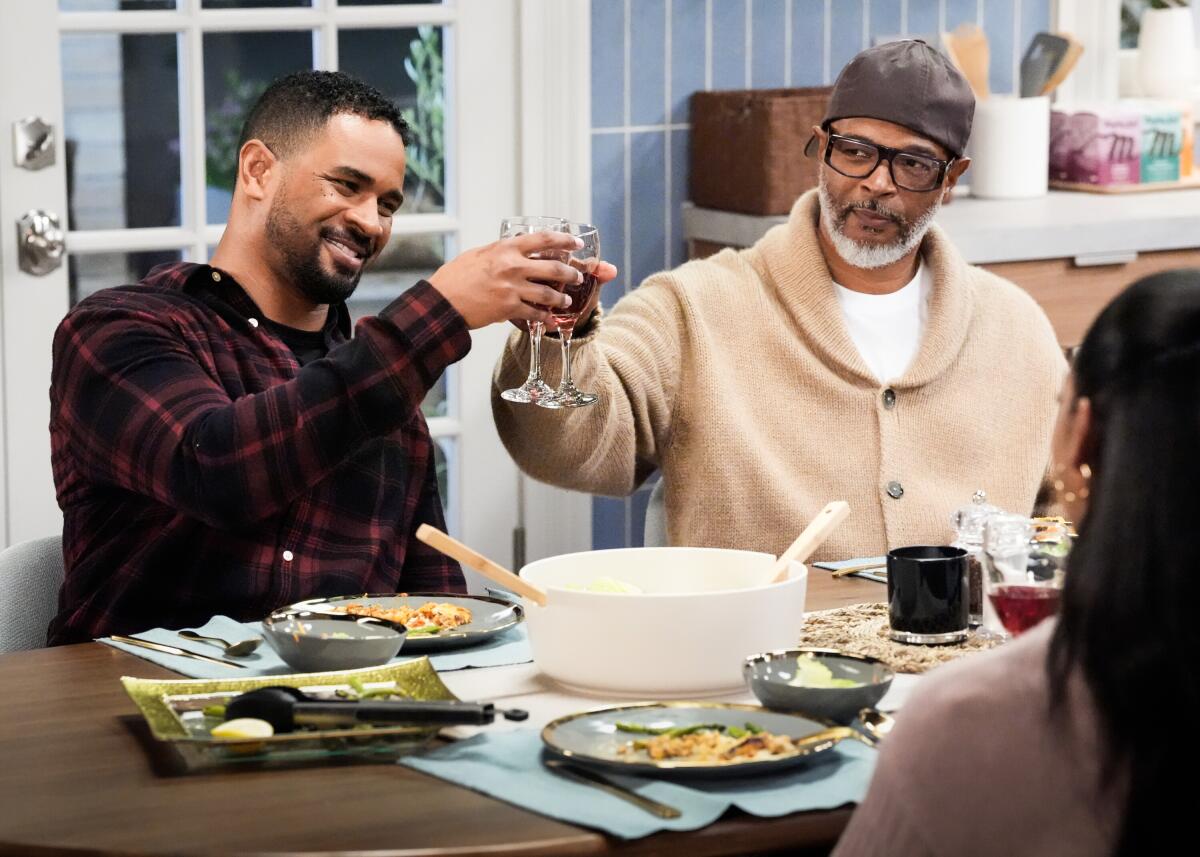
(508, 766)
(879, 575)
(507, 647)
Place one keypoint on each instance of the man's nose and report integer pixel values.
(366, 219)
(880, 179)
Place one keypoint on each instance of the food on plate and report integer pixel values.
(707, 742)
(812, 673)
(243, 727)
(607, 584)
(429, 618)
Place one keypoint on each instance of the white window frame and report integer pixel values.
(1097, 24)
(325, 20)
(556, 170)
(475, 31)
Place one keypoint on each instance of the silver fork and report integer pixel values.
(591, 778)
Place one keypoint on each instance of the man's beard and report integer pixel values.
(302, 259)
(862, 254)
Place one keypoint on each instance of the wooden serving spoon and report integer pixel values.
(813, 537)
(968, 49)
(494, 572)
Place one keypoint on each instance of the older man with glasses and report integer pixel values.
(850, 354)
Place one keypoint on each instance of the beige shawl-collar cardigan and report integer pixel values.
(736, 376)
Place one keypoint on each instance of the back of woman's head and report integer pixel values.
(1128, 616)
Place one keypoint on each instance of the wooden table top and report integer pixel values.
(76, 779)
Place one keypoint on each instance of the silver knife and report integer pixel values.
(173, 650)
(591, 778)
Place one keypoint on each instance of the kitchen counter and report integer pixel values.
(1092, 228)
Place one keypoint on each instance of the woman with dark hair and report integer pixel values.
(1075, 738)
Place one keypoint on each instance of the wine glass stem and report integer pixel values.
(536, 328)
(567, 383)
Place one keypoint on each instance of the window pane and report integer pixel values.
(406, 65)
(237, 68)
(90, 272)
(121, 115)
(407, 259)
(252, 4)
(113, 5)
(1131, 21)
(385, 2)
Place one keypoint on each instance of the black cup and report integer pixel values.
(928, 597)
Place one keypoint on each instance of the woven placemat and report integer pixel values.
(862, 629)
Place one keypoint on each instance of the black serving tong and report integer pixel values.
(287, 708)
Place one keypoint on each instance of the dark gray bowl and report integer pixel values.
(315, 644)
(770, 674)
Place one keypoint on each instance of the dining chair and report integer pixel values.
(31, 573)
(654, 534)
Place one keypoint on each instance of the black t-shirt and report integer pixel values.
(306, 345)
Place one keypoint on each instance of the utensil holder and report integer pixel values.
(1010, 147)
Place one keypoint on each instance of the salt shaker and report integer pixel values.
(968, 521)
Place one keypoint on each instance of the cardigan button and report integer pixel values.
(895, 490)
(889, 398)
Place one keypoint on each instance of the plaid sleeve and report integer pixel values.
(141, 410)
(425, 569)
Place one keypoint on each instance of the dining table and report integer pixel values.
(76, 778)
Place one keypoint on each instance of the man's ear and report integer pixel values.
(952, 176)
(257, 167)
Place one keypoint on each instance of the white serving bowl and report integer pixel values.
(703, 612)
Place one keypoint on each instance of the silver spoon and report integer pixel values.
(876, 723)
(234, 650)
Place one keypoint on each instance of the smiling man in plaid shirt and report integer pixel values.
(220, 444)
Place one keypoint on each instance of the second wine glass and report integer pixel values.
(1026, 558)
(585, 260)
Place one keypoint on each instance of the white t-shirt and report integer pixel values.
(887, 329)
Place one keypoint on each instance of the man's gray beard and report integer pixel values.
(871, 256)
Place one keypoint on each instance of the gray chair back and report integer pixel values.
(30, 576)
(654, 535)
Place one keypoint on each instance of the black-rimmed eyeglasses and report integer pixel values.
(857, 159)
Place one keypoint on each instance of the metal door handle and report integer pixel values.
(40, 244)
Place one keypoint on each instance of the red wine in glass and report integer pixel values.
(580, 294)
(1021, 607)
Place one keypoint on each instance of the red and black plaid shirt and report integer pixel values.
(201, 470)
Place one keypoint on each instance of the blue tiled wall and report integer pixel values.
(649, 56)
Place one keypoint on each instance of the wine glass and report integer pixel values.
(1026, 560)
(534, 387)
(585, 260)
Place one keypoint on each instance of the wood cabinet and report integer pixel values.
(1073, 295)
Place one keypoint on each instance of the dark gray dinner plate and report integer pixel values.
(489, 616)
(592, 738)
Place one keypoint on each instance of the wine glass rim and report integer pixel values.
(533, 218)
(581, 228)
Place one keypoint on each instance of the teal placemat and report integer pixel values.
(508, 766)
(507, 647)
